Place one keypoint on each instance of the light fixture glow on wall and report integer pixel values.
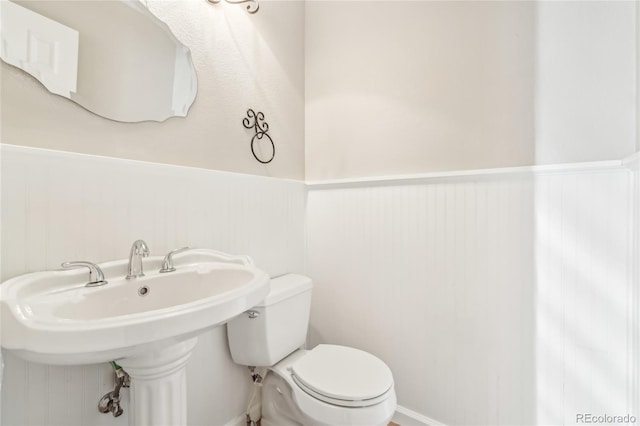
(252, 7)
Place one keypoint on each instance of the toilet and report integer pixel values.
(329, 385)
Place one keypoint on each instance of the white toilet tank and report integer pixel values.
(277, 327)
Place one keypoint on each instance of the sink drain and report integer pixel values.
(143, 291)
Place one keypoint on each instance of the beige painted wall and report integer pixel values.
(400, 87)
(392, 87)
(242, 61)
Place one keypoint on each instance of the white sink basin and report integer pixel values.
(51, 317)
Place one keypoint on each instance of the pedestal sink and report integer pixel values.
(149, 325)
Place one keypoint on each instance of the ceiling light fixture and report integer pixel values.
(252, 7)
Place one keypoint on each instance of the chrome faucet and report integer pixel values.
(139, 250)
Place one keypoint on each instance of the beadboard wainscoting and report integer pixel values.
(500, 297)
(634, 165)
(584, 296)
(59, 206)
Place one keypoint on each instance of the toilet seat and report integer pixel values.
(342, 376)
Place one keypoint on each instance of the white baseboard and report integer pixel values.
(403, 417)
(406, 417)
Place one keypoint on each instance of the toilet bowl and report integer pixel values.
(329, 385)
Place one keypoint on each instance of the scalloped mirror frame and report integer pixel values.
(128, 65)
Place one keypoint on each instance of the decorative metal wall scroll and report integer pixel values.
(256, 121)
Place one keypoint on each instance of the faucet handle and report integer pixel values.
(167, 262)
(96, 277)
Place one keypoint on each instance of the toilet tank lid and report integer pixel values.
(286, 286)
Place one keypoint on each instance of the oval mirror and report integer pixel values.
(113, 57)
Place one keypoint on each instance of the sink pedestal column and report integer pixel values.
(159, 385)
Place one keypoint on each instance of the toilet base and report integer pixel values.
(285, 404)
(278, 408)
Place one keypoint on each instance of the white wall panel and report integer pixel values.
(60, 206)
(496, 300)
(585, 77)
(583, 246)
